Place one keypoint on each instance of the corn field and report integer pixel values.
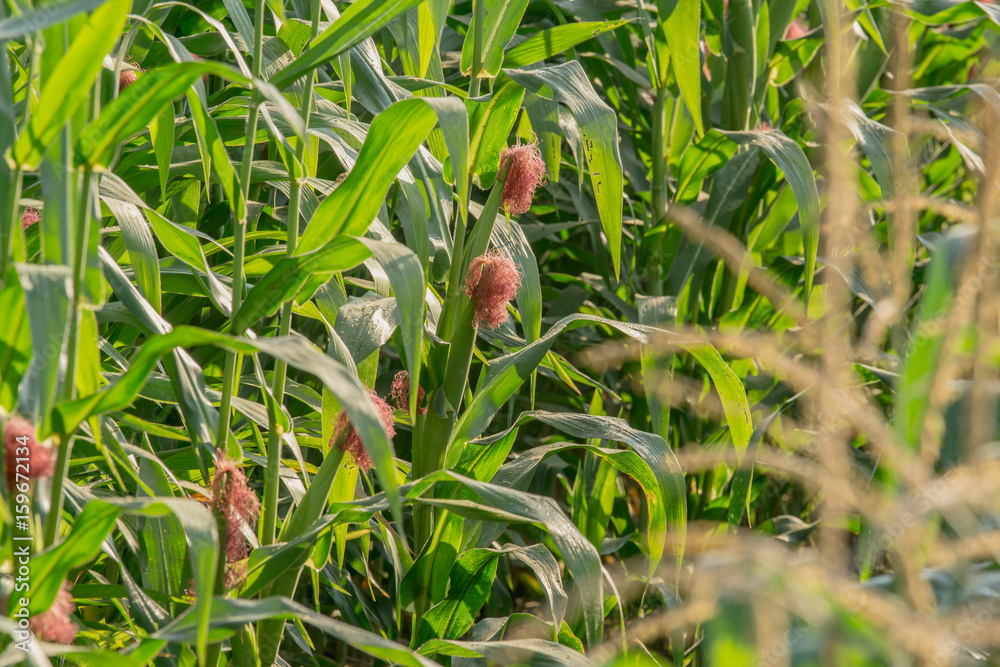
(621, 333)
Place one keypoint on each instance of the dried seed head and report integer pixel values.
(54, 624)
(126, 79)
(796, 30)
(526, 173)
(234, 502)
(29, 217)
(401, 392)
(492, 281)
(347, 438)
(19, 434)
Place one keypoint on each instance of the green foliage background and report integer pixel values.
(743, 411)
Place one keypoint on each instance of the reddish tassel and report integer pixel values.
(400, 393)
(54, 624)
(126, 79)
(235, 502)
(29, 217)
(347, 438)
(526, 173)
(492, 281)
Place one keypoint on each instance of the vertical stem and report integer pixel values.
(478, 16)
(215, 650)
(234, 361)
(444, 329)
(455, 326)
(659, 185)
(72, 350)
(658, 189)
(12, 188)
(271, 480)
(432, 440)
(13, 208)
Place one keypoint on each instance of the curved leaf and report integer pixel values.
(665, 493)
(358, 21)
(506, 374)
(680, 21)
(135, 108)
(568, 84)
(789, 157)
(500, 21)
(392, 139)
(471, 580)
(547, 43)
(64, 91)
(230, 613)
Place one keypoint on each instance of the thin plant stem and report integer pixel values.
(234, 361)
(13, 208)
(271, 480)
(454, 278)
(479, 15)
(72, 354)
(455, 326)
(658, 188)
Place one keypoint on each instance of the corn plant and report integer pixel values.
(498, 332)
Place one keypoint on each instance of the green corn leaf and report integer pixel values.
(78, 548)
(183, 244)
(875, 141)
(295, 351)
(492, 122)
(680, 21)
(186, 375)
(924, 354)
(702, 159)
(544, 116)
(161, 132)
(98, 518)
(578, 553)
(15, 339)
(141, 248)
(568, 84)
(547, 43)
(392, 139)
(358, 21)
(501, 18)
(213, 152)
(788, 156)
(507, 373)
(653, 465)
(136, 107)
(471, 580)
(231, 614)
(64, 92)
(739, 496)
(538, 652)
(546, 569)
(48, 291)
(729, 191)
(290, 274)
(40, 18)
(792, 56)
